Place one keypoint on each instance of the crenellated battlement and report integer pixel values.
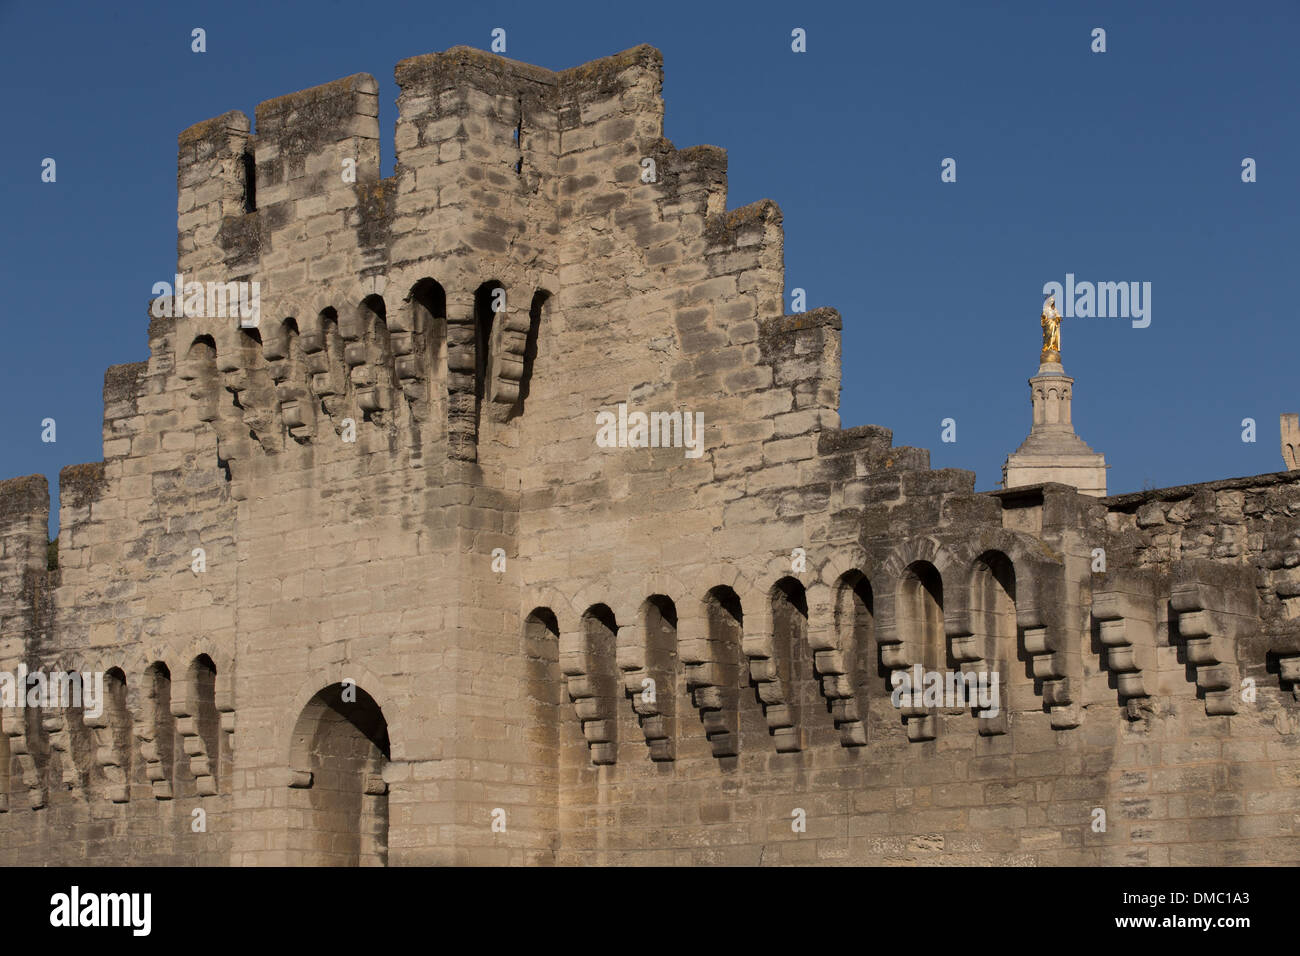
(376, 295)
(472, 126)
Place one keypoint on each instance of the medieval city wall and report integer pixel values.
(573, 654)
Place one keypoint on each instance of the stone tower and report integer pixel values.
(362, 584)
(1289, 424)
(1053, 452)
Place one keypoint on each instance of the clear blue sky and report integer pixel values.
(1119, 166)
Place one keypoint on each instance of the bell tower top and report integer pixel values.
(1053, 452)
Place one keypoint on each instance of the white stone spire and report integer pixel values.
(1053, 452)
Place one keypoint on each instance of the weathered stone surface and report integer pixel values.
(1053, 452)
(368, 590)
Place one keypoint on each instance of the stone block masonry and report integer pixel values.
(366, 591)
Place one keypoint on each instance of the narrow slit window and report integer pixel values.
(250, 183)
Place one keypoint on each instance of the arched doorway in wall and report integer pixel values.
(340, 746)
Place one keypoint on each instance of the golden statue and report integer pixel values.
(1051, 322)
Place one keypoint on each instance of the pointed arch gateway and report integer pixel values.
(340, 801)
